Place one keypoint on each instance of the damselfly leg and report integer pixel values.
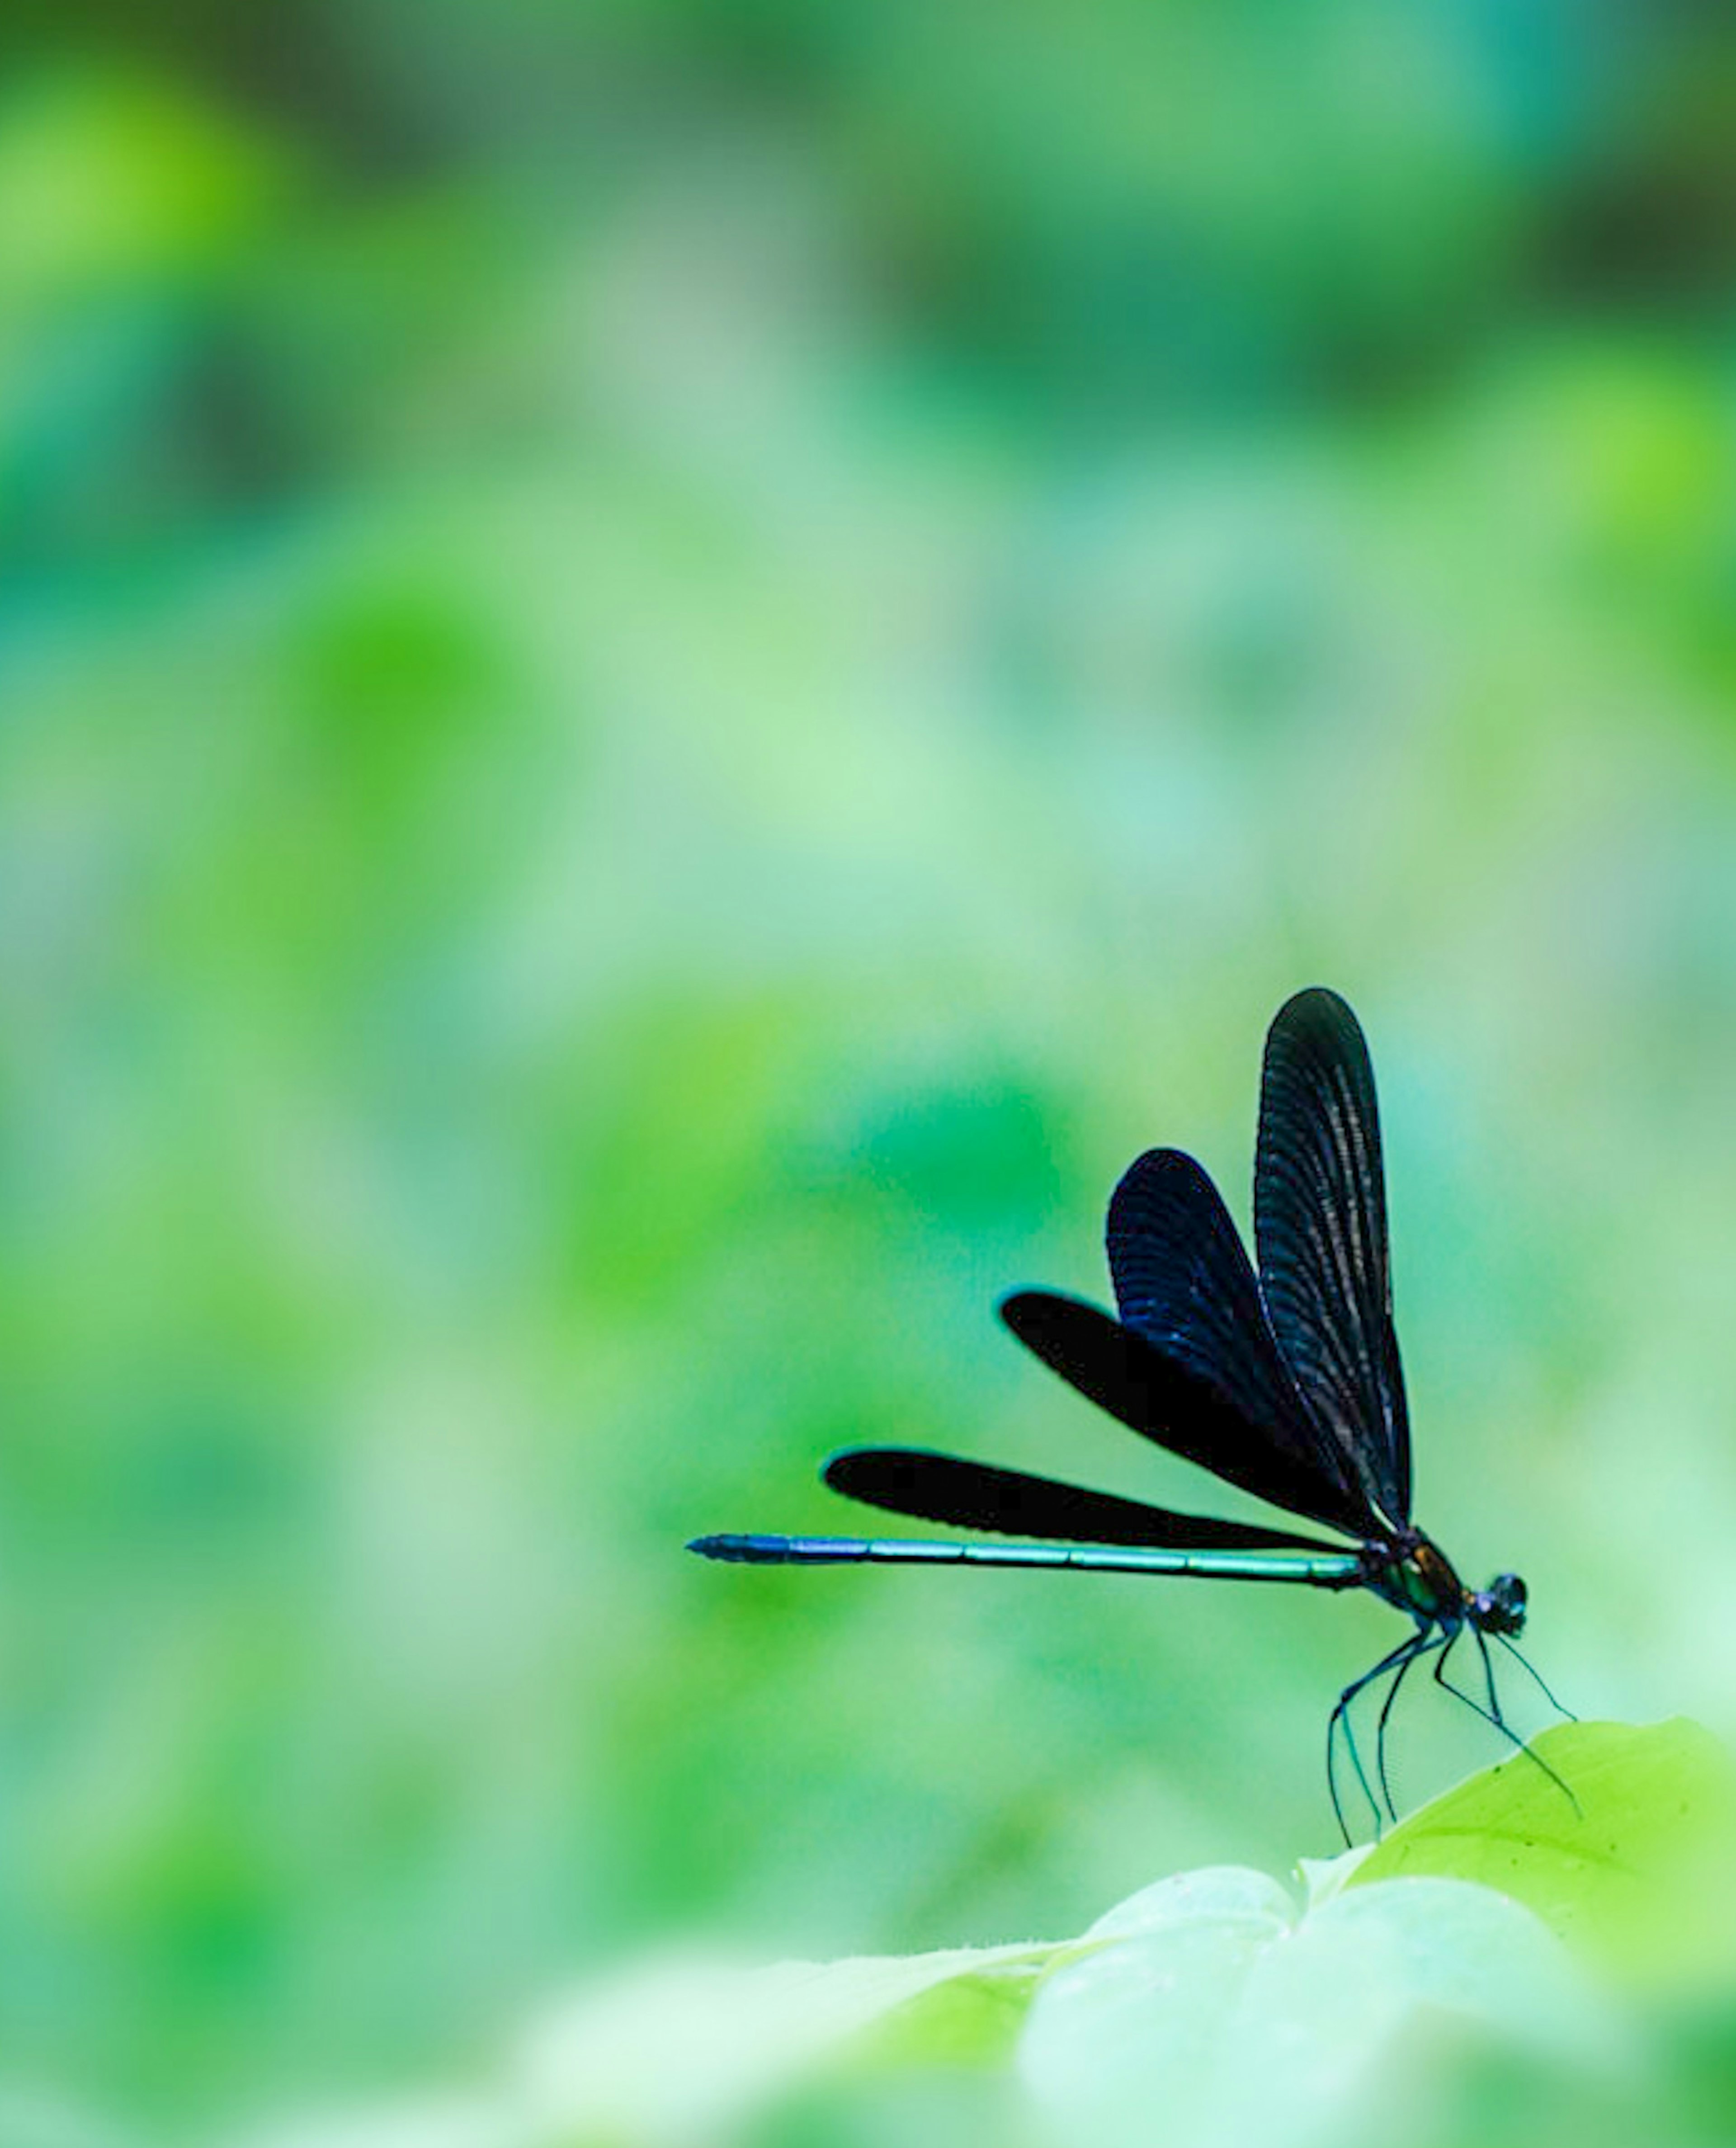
(1399, 1661)
(1492, 1715)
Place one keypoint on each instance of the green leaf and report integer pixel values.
(1638, 1869)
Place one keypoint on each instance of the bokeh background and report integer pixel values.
(668, 674)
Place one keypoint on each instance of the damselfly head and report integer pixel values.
(1500, 1608)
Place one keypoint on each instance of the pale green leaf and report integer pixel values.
(1213, 2003)
(692, 2047)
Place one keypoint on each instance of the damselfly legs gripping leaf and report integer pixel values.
(1284, 1383)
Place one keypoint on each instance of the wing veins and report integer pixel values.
(1320, 1225)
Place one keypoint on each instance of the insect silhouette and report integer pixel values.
(1285, 1384)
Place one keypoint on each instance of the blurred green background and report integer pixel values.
(668, 674)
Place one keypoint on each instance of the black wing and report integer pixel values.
(1153, 1392)
(1320, 1227)
(1183, 1282)
(978, 1495)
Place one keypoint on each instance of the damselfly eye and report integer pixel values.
(1503, 1605)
